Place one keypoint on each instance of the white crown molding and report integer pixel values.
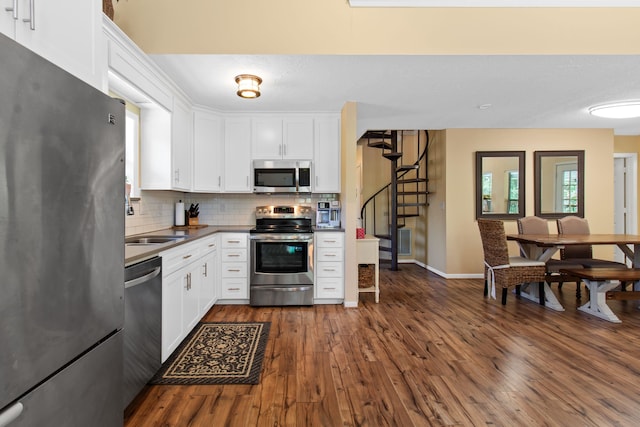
(494, 3)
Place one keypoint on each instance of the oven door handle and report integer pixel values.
(273, 238)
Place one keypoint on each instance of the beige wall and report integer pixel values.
(332, 27)
(350, 209)
(463, 246)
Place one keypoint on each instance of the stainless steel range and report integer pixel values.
(282, 256)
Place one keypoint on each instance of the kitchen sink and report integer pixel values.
(152, 240)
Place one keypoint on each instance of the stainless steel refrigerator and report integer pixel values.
(61, 246)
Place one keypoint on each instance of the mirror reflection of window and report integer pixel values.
(567, 188)
(487, 183)
(513, 181)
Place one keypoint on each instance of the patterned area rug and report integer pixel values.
(217, 353)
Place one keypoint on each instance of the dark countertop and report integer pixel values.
(135, 254)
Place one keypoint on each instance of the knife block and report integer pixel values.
(192, 221)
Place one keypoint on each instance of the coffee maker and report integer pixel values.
(328, 214)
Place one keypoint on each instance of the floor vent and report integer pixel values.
(404, 241)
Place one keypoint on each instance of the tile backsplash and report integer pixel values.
(155, 210)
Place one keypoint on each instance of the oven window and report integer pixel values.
(275, 177)
(281, 257)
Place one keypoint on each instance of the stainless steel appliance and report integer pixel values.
(281, 256)
(62, 246)
(328, 214)
(281, 176)
(142, 325)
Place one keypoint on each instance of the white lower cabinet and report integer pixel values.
(190, 287)
(329, 267)
(234, 266)
(209, 287)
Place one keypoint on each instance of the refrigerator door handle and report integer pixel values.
(133, 282)
(11, 414)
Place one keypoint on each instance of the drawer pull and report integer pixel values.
(187, 256)
(212, 245)
(233, 241)
(329, 269)
(330, 289)
(234, 269)
(329, 254)
(233, 255)
(233, 289)
(329, 241)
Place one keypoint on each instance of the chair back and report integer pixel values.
(494, 242)
(574, 225)
(533, 225)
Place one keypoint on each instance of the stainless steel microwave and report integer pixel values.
(281, 176)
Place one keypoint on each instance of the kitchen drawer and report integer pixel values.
(329, 254)
(329, 269)
(238, 240)
(330, 287)
(233, 269)
(329, 240)
(234, 255)
(208, 244)
(178, 257)
(237, 288)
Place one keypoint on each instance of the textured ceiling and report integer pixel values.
(421, 92)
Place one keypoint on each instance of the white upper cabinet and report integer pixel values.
(326, 159)
(297, 138)
(208, 149)
(65, 32)
(282, 138)
(237, 155)
(181, 145)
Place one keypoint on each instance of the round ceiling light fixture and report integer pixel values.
(248, 86)
(618, 110)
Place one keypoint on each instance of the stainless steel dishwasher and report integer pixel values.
(142, 325)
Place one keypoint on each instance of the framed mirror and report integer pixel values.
(500, 184)
(559, 183)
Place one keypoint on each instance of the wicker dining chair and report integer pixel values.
(537, 225)
(504, 271)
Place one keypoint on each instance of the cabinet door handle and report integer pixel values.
(280, 150)
(32, 18)
(206, 269)
(188, 285)
(316, 180)
(219, 181)
(284, 149)
(13, 9)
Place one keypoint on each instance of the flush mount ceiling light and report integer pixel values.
(618, 110)
(248, 86)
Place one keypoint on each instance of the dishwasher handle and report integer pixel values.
(138, 280)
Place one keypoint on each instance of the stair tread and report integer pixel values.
(408, 215)
(412, 180)
(412, 193)
(412, 204)
(379, 134)
(403, 168)
(393, 155)
(380, 144)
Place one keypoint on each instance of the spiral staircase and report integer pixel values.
(387, 210)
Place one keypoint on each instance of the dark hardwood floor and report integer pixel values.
(432, 352)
